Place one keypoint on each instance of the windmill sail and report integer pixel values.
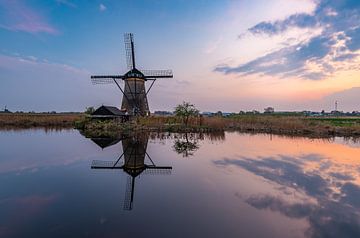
(130, 51)
(153, 73)
(129, 193)
(105, 79)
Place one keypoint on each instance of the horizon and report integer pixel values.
(300, 55)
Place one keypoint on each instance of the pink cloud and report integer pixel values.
(20, 17)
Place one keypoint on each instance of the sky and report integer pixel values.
(225, 55)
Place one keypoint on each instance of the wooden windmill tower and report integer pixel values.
(134, 100)
(134, 155)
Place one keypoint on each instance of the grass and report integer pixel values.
(339, 121)
(44, 120)
(276, 124)
(302, 125)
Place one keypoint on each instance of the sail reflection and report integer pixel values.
(134, 161)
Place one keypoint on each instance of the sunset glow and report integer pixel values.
(228, 55)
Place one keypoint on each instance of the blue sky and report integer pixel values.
(226, 55)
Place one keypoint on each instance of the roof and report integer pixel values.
(134, 73)
(108, 110)
(105, 142)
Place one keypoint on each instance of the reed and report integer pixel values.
(29, 120)
(297, 125)
(277, 124)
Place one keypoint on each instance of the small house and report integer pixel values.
(108, 112)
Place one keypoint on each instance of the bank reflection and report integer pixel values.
(134, 161)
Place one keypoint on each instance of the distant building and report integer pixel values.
(208, 114)
(252, 112)
(269, 110)
(5, 110)
(163, 113)
(227, 114)
(108, 112)
(336, 113)
(218, 113)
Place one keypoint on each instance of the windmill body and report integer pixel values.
(134, 100)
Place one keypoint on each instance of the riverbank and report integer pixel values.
(275, 124)
(282, 125)
(39, 120)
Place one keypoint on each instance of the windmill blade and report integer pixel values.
(102, 81)
(130, 51)
(129, 193)
(101, 164)
(105, 79)
(151, 74)
(158, 170)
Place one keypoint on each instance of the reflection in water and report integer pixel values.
(187, 143)
(328, 200)
(249, 185)
(186, 146)
(133, 156)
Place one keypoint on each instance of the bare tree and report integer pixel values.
(185, 111)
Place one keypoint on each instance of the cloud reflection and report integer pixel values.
(332, 204)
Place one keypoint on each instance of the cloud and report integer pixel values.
(298, 20)
(102, 7)
(316, 58)
(66, 3)
(19, 17)
(286, 62)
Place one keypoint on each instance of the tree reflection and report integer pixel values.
(187, 143)
(185, 146)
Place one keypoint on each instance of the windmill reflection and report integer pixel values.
(134, 161)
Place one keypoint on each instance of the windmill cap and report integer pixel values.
(134, 73)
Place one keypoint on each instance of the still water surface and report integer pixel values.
(61, 184)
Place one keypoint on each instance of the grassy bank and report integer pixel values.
(42, 120)
(276, 124)
(287, 125)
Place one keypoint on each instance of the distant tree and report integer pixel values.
(185, 111)
(89, 110)
(269, 110)
(219, 113)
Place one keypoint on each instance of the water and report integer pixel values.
(220, 185)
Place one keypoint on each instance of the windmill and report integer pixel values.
(134, 155)
(134, 100)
